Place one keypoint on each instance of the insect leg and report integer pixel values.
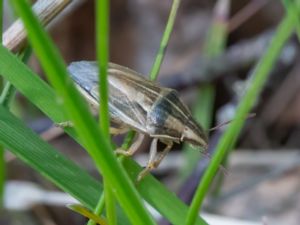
(133, 148)
(154, 159)
(162, 154)
(153, 151)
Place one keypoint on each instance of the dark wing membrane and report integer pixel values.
(168, 116)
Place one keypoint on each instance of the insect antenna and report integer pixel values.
(206, 153)
(250, 116)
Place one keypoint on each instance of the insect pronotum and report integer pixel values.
(142, 105)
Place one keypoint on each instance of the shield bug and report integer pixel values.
(142, 105)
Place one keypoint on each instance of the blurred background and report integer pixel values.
(260, 181)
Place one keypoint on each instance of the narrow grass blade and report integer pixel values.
(293, 9)
(28, 147)
(102, 49)
(158, 196)
(217, 35)
(259, 78)
(102, 45)
(50, 163)
(164, 41)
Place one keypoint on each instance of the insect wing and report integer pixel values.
(126, 103)
(124, 109)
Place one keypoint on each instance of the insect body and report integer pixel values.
(142, 105)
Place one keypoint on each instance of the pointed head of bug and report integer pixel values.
(194, 134)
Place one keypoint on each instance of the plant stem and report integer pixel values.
(164, 41)
(227, 141)
(110, 205)
(7, 94)
(293, 9)
(126, 144)
(99, 209)
(158, 60)
(102, 49)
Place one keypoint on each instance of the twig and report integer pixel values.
(15, 36)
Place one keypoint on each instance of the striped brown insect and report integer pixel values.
(142, 105)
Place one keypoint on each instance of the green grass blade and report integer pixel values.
(293, 9)
(110, 204)
(49, 162)
(28, 147)
(94, 140)
(7, 94)
(165, 39)
(98, 209)
(217, 35)
(102, 44)
(159, 197)
(259, 78)
(9, 90)
(29, 83)
(102, 48)
(6, 97)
